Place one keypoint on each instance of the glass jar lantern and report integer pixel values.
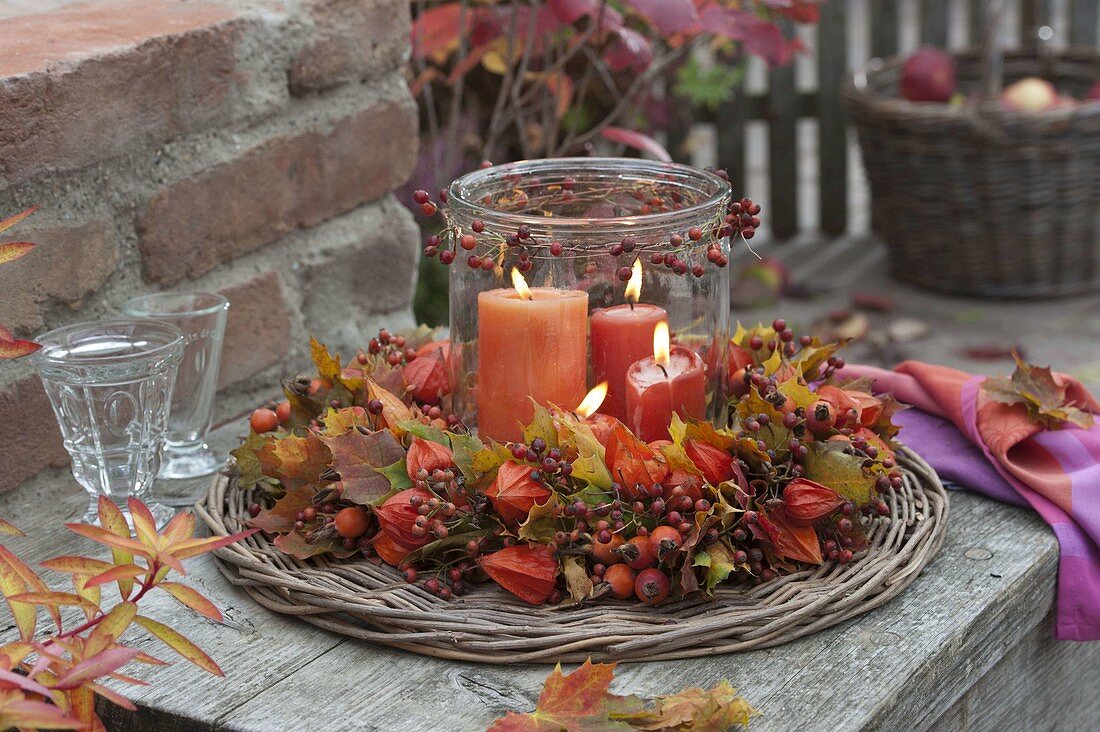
(563, 270)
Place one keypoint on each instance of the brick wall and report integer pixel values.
(242, 146)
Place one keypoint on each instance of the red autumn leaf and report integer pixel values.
(669, 16)
(528, 572)
(737, 357)
(280, 518)
(359, 459)
(428, 455)
(436, 30)
(396, 518)
(807, 502)
(717, 466)
(637, 140)
(428, 377)
(513, 493)
(758, 36)
(630, 51)
(632, 462)
(801, 11)
(791, 541)
(390, 551)
(570, 11)
(577, 702)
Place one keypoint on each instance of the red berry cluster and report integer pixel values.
(741, 218)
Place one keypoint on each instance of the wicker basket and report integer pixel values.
(978, 200)
(487, 625)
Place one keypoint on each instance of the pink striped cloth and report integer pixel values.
(962, 433)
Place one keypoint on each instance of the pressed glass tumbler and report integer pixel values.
(201, 316)
(110, 385)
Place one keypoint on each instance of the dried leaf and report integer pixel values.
(717, 558)
(1045, 399)
(577, 580)
(394, 411)
(718, 710)
(577, 702)
(295, 461)
(280, 518)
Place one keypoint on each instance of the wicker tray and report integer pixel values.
(488, 625)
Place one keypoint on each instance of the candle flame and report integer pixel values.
(592, 401)
(520, 284)
(660, 344)
(634, 285)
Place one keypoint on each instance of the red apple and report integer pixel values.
(1030, 94)
(928, 76)
(1093, 94)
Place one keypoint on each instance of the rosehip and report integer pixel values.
(621, 578)
(821, 416)
(263, 420)
(636, 552)
(351, 523)
(663, 541)
(651, 586)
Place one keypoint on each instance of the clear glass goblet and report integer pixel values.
(110, 385)
(201, 316)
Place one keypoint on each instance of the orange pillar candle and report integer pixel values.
(622, 335)
(532, 344)
(671, 380)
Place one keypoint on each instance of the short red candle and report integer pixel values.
(621, 335)
(528, 348)
(653, 394)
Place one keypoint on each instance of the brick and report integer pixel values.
(351, 40)
(92, 80)
(70, 262)
(257, 330)
(291, 180)
(29, 437)
(372, 267)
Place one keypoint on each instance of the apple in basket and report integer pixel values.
(1030, 94)
(1093, 94)
(928, 76)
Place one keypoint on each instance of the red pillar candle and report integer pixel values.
(673, 380)
(622, 335)
(532, 344)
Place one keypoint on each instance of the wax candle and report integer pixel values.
(532, 344)
(622, 335)
(602, 425)
(671, 380)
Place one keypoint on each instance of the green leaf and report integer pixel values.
(829, 465)
(398, 475)
(718, 560)
(416, 428)
(708, 86)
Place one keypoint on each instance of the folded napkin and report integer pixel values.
(992, 448)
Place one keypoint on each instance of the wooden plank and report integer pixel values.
(1084, 16)
(884, 28)
(933, 23)
(832, 135)
(782, 151)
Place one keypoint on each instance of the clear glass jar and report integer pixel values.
(575, 229)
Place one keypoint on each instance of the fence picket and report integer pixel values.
(782, 110)
(1084, 15)
(832, 145)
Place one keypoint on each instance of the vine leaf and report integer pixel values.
(829, 465)
(1046, 400)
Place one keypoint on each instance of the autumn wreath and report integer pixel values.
(362, 459)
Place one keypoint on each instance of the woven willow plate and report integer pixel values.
(488, 625)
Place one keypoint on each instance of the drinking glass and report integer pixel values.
(201, 316)
(110, 385)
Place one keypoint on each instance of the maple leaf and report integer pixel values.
(296, 461)
(715, 710)
(360, 459)
(1038, 390)
(280, 518)
(579, 702)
